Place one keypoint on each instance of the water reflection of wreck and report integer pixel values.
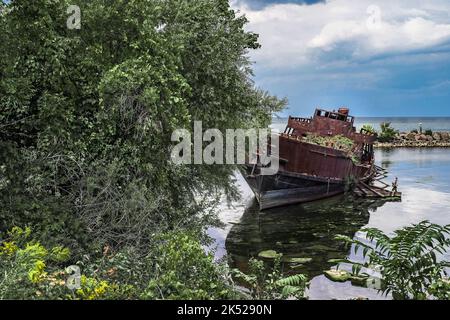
(302, 231)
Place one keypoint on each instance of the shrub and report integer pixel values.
(408, 261)
(387, 133)
(428, 132)
(177, 268)
(271, 285)
(183, 270)
(28, 269)
(368, 128)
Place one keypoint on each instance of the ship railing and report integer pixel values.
(299, 119)
(295, 123)
(334, 115)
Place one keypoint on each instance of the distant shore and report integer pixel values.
(417, 140)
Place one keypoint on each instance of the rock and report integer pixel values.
(437, 136)
(337, 275)
(296, 260)
(403, 136)
(359, 281)
(411, 136)
(429, 138)
(445, 136)
(421, 137)
(268, 254)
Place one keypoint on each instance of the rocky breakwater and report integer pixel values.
(417, 140)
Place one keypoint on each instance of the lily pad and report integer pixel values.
(337, 275)
(296, 266)
(319, 248)
(296, 260)
(359, 281)
(268, 254)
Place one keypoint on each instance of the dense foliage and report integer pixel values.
(87, 115)
(86, 118)
(177, 268)
(408, 261)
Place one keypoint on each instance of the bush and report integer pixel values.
(28, 269)
(408, 261)
(178, 268)
(183, 270)
(31, 271)
(271, 285)
(428, 132)
(387, 133)
(368, 128)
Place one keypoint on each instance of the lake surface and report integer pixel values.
(308, 230)
(404, 124)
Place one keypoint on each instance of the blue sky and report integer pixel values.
(378, 57)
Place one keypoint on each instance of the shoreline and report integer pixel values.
(411, 145)
(417, 140)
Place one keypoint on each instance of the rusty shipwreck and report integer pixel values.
(319, 157)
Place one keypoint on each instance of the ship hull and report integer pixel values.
(312, 168)
(286, 188)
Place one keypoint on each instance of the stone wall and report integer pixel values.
(417, 140)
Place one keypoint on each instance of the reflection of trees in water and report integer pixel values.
(306, 231)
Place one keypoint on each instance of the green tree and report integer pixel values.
(87, 115)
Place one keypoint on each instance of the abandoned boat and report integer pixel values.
(319, 157)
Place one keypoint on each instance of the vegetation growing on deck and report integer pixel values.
(337, 142)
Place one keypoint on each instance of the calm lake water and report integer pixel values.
(404, 124)
(308, 230)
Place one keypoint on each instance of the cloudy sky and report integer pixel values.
(378, 57)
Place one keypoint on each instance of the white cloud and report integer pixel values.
(346, 30)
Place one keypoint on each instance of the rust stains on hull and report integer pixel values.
(312, 170)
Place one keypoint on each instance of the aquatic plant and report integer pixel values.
(272, 285)
(408, 261)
